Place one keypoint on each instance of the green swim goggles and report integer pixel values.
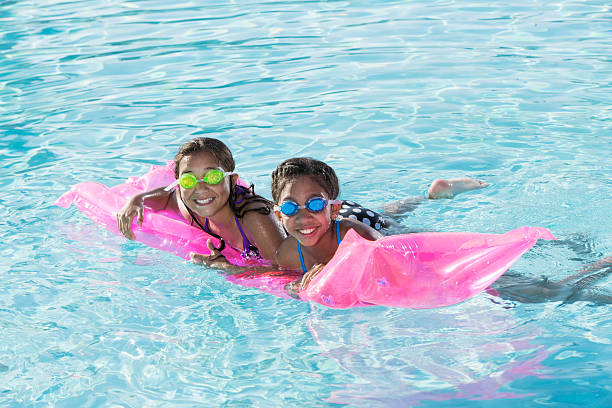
(211, 177)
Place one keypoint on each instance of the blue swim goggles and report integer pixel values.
(314, 205)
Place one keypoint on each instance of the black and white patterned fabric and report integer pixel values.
(353, 210)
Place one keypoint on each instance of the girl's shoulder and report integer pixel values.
(172, 202)
(257, 219)
(362, 229)
(264, 231)
(247, 196)
(256, 204)
(246, 201)
(287, 256)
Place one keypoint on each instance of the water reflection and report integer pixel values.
(402, 358)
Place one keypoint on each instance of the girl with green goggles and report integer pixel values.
(241, 220)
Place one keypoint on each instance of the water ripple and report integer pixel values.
(393, 95)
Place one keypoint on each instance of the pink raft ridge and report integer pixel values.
(418, 271)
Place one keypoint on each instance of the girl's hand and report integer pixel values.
(308, 276)
(294, 288)
(215, 260)
(133, 208)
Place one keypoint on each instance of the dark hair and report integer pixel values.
(296, 167)
(241, 199)
(215, 147)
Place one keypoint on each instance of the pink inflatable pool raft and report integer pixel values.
(418, 271)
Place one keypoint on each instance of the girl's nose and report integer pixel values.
(302, 213)
(201, 186)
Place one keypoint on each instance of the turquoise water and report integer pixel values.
(393, 94)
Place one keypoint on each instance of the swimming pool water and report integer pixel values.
(392, 94)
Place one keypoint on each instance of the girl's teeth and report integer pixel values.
(203, 202)
(306, 231)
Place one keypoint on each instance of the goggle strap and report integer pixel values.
(171, 186)
(229, 173)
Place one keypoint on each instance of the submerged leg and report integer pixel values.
(583, 288)
(449, 188)
(439, 188)
(513, 286)
(578, 287)
(400, 207)
(585, 277)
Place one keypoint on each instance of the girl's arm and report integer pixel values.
(156, 199)
(218, 261)
(265, 232)
(362, 229)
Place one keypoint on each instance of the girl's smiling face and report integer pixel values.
(305, 226)
(204, 199)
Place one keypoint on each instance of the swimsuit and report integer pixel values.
(249, 251)
(353, 210)
(299, 247)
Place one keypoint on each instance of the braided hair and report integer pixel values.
(242, 199)
(296, 167)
